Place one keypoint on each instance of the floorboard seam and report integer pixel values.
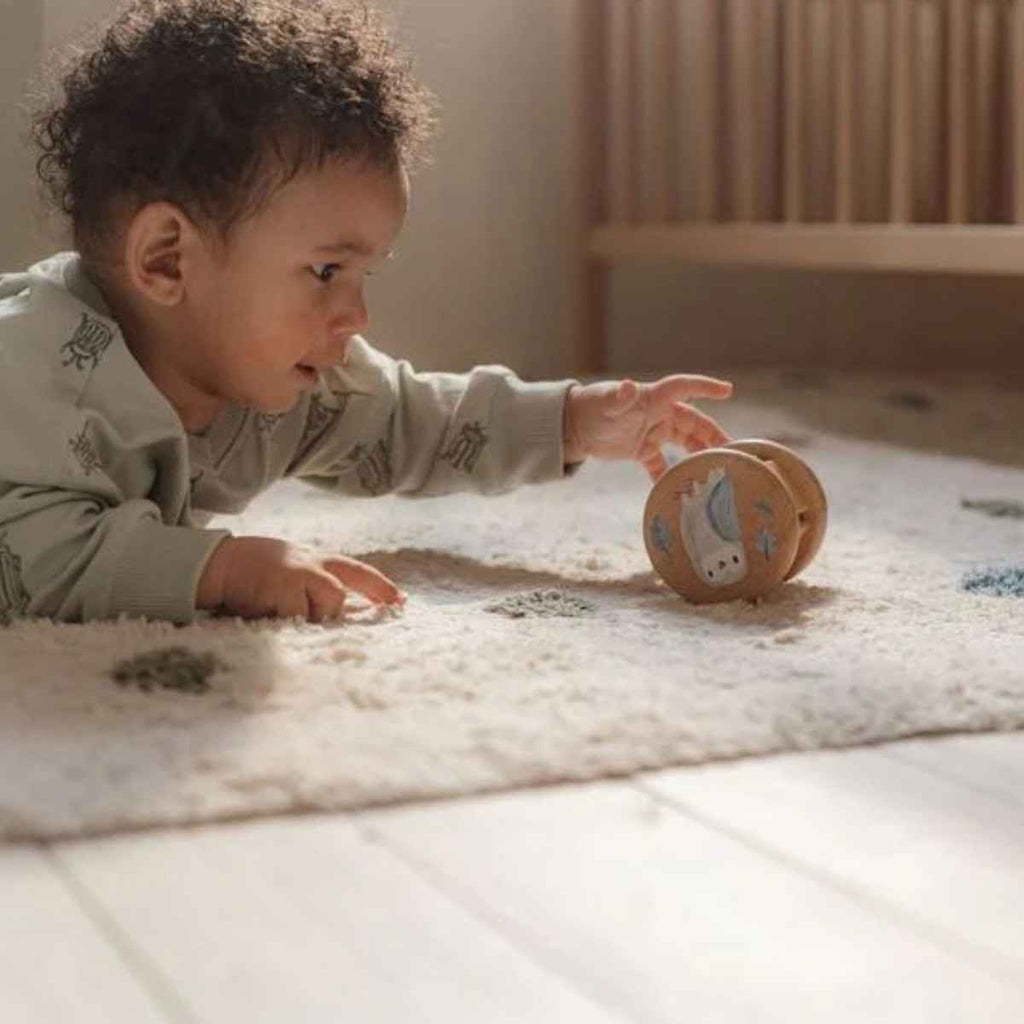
(991, 961)
(493, 920)
(963, 782)
(139, 966)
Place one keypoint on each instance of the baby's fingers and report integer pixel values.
(685, 386)
(364, 579)
(649, 453)
(325, 598)
(654, 461)
(695, 430)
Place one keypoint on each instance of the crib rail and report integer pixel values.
(884, 134)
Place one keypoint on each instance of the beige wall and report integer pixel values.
(19, 45)
(483, 271)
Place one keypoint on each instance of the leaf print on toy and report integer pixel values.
(766, 542)
(660, 536)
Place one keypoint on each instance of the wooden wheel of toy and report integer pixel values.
(811, 501)
(720, 525)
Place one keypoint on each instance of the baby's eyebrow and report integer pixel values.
(354, 247)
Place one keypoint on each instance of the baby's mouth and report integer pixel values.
(307, 372)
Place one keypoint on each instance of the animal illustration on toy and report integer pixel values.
(735, 521)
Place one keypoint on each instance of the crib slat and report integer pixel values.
(844, 50)
(664, 84)
(635, 105)
(592, 96)
(740, 49)
(901, 136)
(624, 109)
(762, 27)
(985, 132)
(617, 108)
(794, 23)
(958, 149)
(708, 109)
(958, 71)
(1017, 108)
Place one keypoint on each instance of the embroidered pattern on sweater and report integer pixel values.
(466, 447)
(91, 339)
(320, 417)
(266, 422)
(84, 451)
(14, 598)
(373, 467)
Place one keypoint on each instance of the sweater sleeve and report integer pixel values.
(376, 425)
(71, 557)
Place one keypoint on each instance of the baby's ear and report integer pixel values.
(160, 240)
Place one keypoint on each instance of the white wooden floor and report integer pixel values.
(872, 885)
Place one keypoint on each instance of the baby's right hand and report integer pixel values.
(257, 577)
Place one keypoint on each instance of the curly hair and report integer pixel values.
(214, 104)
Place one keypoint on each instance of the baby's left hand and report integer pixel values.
(627, 420)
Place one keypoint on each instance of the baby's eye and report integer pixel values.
(324, 271)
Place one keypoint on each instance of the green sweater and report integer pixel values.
(104, 498)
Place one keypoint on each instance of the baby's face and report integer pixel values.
(283, 300)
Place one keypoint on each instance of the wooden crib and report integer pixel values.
(856, 134)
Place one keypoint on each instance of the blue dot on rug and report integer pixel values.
(997, 581)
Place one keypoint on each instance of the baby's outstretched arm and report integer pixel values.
(627, 420)
(256, 577)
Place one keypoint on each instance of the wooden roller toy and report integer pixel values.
(735, 521)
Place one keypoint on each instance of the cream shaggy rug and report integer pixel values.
(876, 640)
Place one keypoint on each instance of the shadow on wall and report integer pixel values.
(665, 318)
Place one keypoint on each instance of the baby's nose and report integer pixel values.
(352, 319)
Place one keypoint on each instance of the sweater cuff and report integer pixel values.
(537, 431)
(159, 570)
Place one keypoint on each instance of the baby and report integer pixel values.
(233, 171)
